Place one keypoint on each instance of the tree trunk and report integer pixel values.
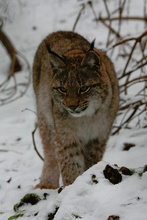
(15, 64)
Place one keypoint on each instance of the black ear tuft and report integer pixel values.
(92, 45)
(47, 47)
(56, 61)
(52, 52)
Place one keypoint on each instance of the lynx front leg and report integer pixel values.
(71, 163)
(94, 151)
(50, 173)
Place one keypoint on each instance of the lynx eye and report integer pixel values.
(62, 90)
(84, 89)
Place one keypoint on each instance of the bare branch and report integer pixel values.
(78, 17)
(123, 18)
(34, 143)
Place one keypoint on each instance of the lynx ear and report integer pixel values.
(56, 61)
(91, 60)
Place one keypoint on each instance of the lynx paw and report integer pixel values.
(45, 186)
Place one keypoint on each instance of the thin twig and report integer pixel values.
(78, 17)
(131, 18)
(14, 89)
(109, 16)
(34, 143)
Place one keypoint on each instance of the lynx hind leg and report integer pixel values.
(50, 173)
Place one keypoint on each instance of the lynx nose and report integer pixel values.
(71, 103)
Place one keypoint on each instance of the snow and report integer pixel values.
(20, 167)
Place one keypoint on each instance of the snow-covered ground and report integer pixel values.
(92, 196)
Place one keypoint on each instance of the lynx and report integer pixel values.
(77, 98)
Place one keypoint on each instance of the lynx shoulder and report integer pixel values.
(77, 99)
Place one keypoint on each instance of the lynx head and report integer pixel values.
(78, 86)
